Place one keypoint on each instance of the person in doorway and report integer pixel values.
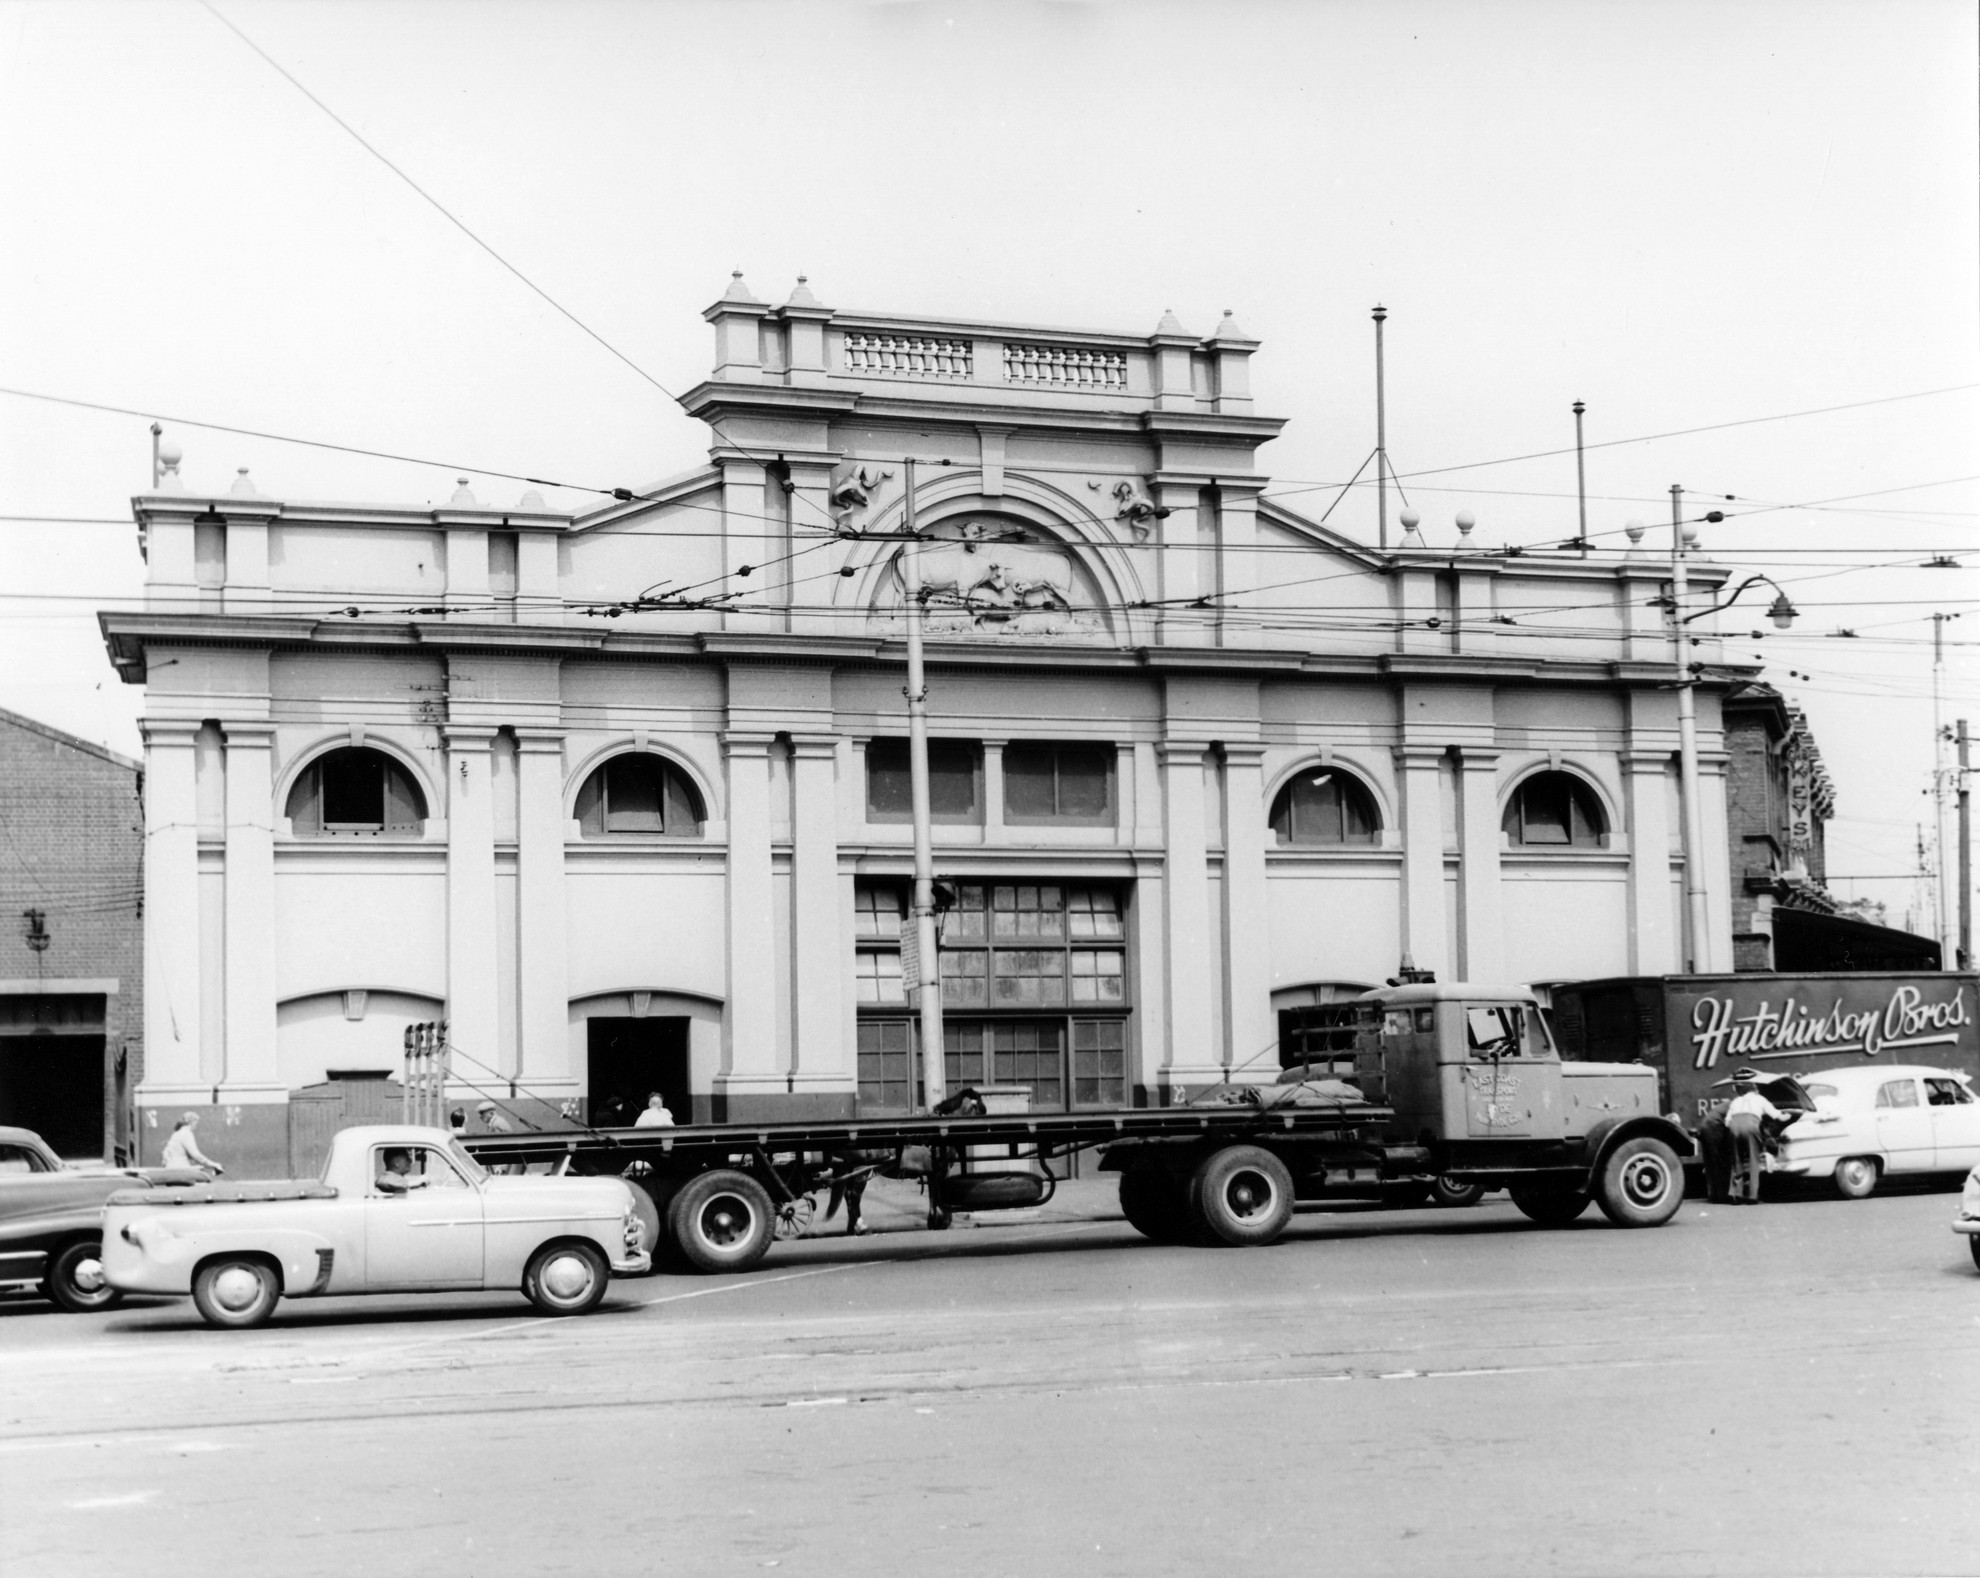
(1743, 1119)
(395, 1174)
(182, 1150)
(656, 1115)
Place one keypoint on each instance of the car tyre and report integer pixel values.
(1455, 1192)
(75, 1278)
(567, 1279)
(1156, 1204)
(1642, 1183)
(1241, 1195)
(722, 1221)
(236, 1292)
(1856, 1177)
(1550, 1203)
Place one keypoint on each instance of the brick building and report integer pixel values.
(71, 937)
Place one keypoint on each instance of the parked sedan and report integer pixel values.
(51, 1218)
(1877, 1119)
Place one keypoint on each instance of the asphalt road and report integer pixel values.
(1788, 1390)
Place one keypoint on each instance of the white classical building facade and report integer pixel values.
(620, 794)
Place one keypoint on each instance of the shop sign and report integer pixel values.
(1754, 1022)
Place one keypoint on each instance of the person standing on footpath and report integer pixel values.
(656, 1115)
(182, 1152)
(1743, 1120)
(493, 1122)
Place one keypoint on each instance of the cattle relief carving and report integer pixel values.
(991, 577)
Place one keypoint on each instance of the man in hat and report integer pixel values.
(1743, 1119)
(493, 1122)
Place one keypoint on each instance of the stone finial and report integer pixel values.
(1634, 532)
(464, 498)
(801, 297)
(1228, 329)
(169, 456)
(532, 501)
(1170, 323)
(244, 487)
(1466, 522)
(1411, 537)
(738, 291)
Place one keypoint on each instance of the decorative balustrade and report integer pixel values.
(902, 356)
(1064, 366)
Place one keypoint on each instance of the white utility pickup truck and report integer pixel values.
(397, 1210)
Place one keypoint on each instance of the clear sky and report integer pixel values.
(1684, 215)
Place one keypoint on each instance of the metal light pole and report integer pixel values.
(928, 965)
(1965, 956)
(1580, 484)
(1695, 955)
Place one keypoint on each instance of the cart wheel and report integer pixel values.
(1156, 1204)
(1551, 1204)
(1642, 1184)
(236, 1292)
(1242, 1195)
(75, 1278)
(722, 1221)
(1856, 1177)
(566, 1279)
(1455, 1191)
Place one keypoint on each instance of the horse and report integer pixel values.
(852, 1170)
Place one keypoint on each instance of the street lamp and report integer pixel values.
(1684, 535)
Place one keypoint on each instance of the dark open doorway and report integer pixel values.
(53, 1084)
(628, 1059)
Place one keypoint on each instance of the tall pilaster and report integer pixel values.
(1247, 934)
(471, 973)
(1194, 1056)
(1653, 946)
(543, 950)
(1481, 916)
(819, 1056)
(1423, 936)
(171, 917)
(749, 1014)
(252, 1071)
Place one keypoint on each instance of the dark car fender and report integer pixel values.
(1605, 1136)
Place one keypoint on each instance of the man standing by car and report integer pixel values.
(1743, 1120)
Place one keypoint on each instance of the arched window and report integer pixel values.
(1555, 811)
(1323, 805)
(355, 790)
(639, 794)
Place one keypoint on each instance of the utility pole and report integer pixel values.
(1944, 921)
(1965, 955)
(1580, 484)
(1695, 955)
(1381, 442)
(928, 965)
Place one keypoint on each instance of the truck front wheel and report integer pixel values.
(1642, 1184)
(1242, 1195)
(1156, 1204)
(1550, 1202)
(722, 1221)
(236, 1292)
(566, 1279)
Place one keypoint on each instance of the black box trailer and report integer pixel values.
(1696, 1029)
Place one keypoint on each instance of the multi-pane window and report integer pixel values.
(1554, 810)
(878, 914)
(1067, 785)
(639, 793)
(1099, 1062)
(955, 775)
(1323, 805)
(886, 1066)
(1033, 958)
(355, 790)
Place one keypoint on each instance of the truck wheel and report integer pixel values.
(1642, 1184)
(1550, 1204)
(566, 1279)
(1446, 1190)
(1973, 1243)
(236, 1292)
(75, 1278)
(1156, 1204)
(722, 1221)
(1241, 1195)
(1856, 1177)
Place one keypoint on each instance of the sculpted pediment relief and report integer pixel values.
(991, 575)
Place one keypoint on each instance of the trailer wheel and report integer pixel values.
(1550, 1203)
(1455, 1192)
(1241, 1195)
(236, 1291)
(722, 1221)
(1156, 1204)
(1856, 1177)
(1642, 1184)
(75, 1278)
